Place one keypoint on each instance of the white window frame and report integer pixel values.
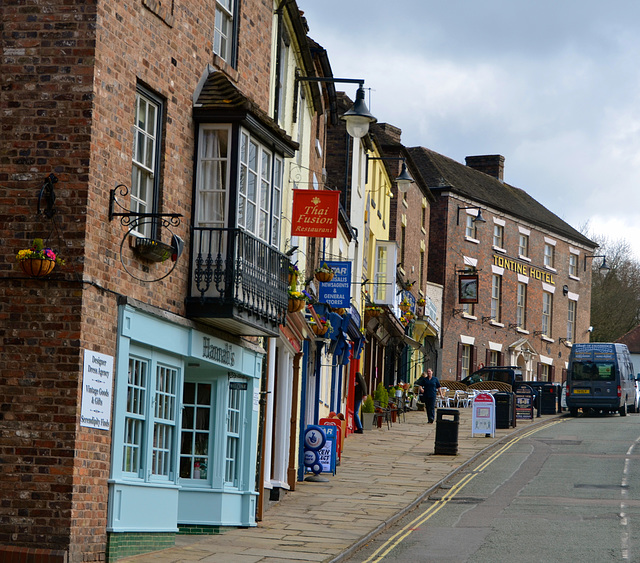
(150, 432)
(471, 229)
(234, 428)
(465, 361)
(573, 265)
(145, 157)
(259, 191)
(547, 313)
(521, 305)
(212, 179)
(224, 30)
(496, 298)
(572, 311)
(498, 236)
(549, 255)
(384, 273)
(523, 245)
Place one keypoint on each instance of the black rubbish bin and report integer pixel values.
(504, 410)
(447, 423)
(550, 392)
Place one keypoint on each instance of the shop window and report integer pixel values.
(234, 418)
(150, 419)
(196, 430)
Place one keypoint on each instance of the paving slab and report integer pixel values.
(383, 474)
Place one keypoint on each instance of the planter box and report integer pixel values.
(367, 420)
(153, 250)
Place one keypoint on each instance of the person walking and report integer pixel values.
(359, 393)
(429, 391)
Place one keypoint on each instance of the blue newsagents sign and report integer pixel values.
(337, 292)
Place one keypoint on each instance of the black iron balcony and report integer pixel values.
(238, 283)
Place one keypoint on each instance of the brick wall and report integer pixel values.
(68, 80)
(454, 324)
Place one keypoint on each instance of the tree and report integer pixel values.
(615, 293)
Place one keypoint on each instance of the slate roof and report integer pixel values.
(220, 98)
(445, 174)
(632, 340)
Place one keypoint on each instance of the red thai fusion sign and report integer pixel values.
(315, 213)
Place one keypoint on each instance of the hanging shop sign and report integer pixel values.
(97, 380)
(337, 292)
(315, 213)
(467, 288)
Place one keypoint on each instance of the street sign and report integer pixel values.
(483, 419)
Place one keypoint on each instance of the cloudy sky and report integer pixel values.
(552, 85)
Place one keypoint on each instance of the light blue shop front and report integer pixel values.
(185, 427)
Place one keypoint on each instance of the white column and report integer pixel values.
(282, 421)
(268, 423)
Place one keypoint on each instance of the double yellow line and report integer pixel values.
(398, 537)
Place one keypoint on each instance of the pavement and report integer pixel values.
(383, 475)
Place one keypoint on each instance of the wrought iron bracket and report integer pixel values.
(48, 193)
(131, 218)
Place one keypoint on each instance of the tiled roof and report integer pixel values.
(632, 340)
(445, 174)
(219, 96)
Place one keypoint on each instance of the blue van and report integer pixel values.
(600, 377)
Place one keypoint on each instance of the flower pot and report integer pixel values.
(372, 312)
(367, 420)
(295, 305)
(153, 250)
(37, 268)
(324, 276)
(319, 330)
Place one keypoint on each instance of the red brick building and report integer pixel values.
(532, 270)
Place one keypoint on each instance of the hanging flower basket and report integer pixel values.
(324, 276)
(296, 305)
(373, 311)
(153, 250)
(38, 261)
(319, 330)
(37, 268)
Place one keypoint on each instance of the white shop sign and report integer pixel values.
(97, 379)
(483, 420)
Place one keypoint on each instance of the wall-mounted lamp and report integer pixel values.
(538, 332)
(477, 219)
(49, 195)
(604, 267)
(565, 290)
(403, 181)
(485, 319)
(358, 117)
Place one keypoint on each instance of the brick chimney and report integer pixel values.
(492, 164)
(395, 133)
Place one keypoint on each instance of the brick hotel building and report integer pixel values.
(533, 271)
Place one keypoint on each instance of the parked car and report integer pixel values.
(506, 374)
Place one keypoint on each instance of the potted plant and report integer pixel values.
(297, 301)
(368, 413)
(372, 311)
(153, 250)
(405, 305)
(421, 302)
(324, 273)
(322, 328)
(293, 275)
(381, 395)
(38, 260)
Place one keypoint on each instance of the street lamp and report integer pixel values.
(604, 267)
(477, 219)
(403, 181)
(358, 117)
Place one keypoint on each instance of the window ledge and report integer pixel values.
(522, 331)
(547, 339)
(469, 317)
(525, 258)
(495, 323)
(574, 277)
(550, 269)
(225, 67)
(473, 240)
(498, 249)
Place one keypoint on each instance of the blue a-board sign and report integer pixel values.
(337, 292)
(315, 439)
(328, 452)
